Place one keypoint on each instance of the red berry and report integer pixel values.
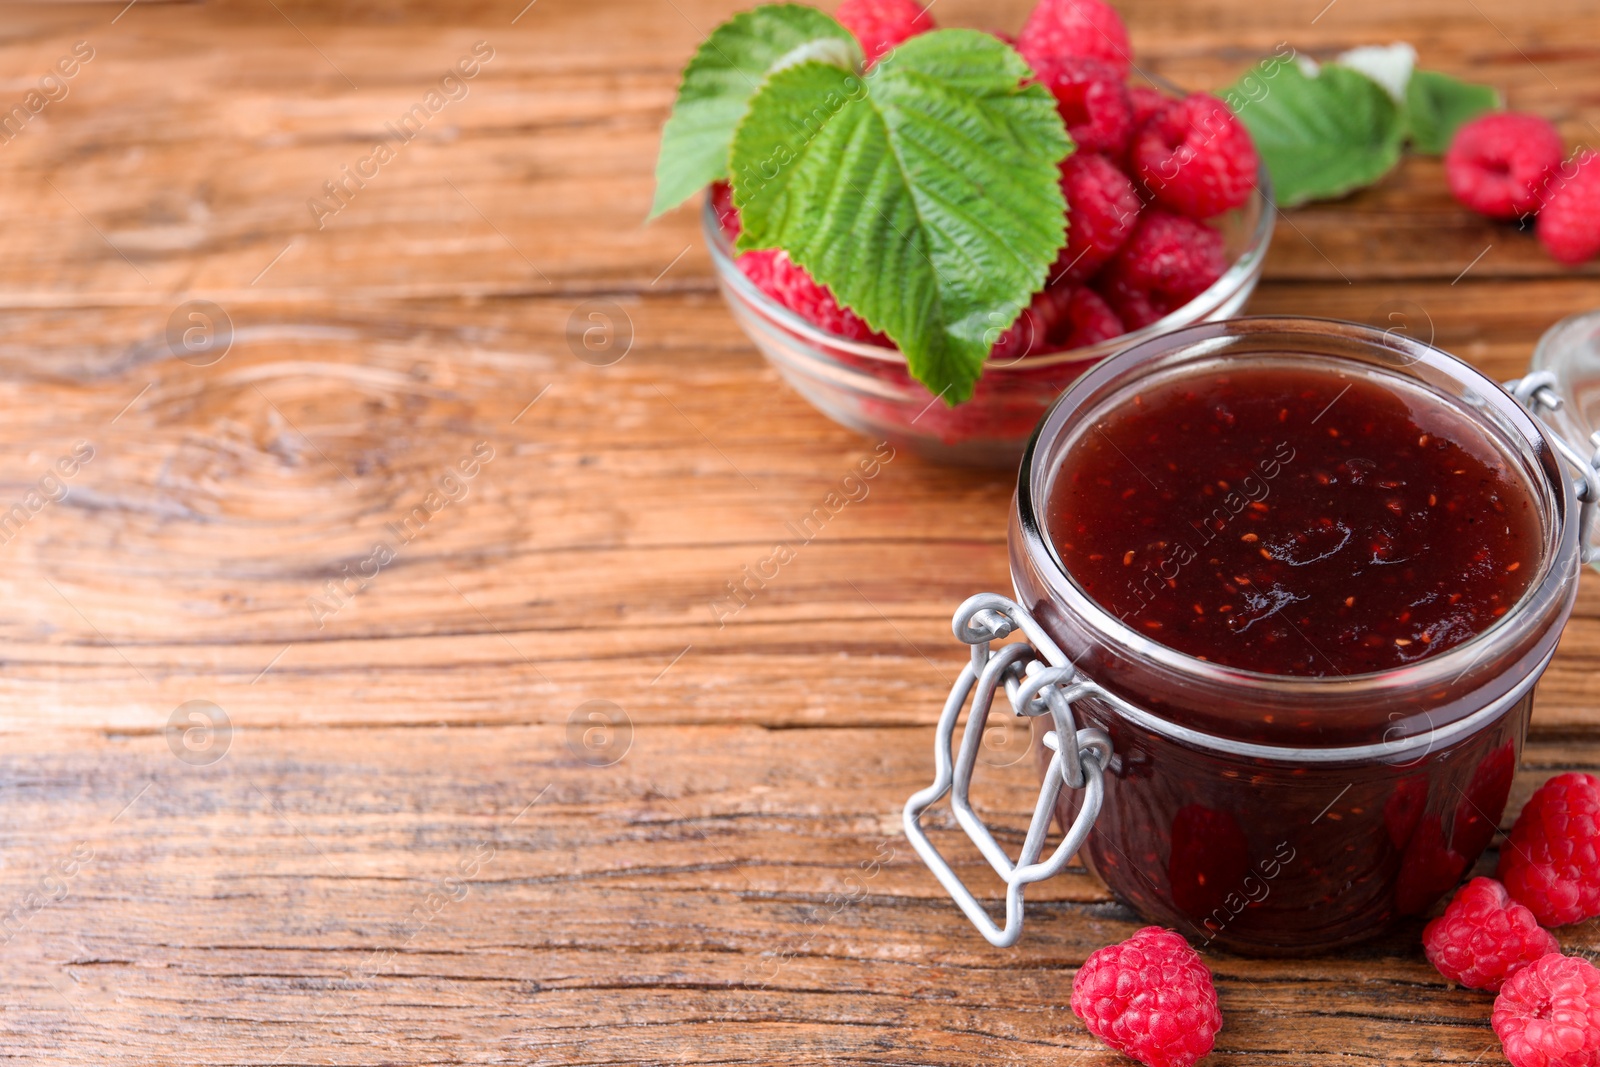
(1548, 1014)
(1092, 100)
(1167, 262)
(1196, 157)
(1484, 937)
(775, 274)
(1031, 333)
(727, 214)
(883, 25)
(1497, 163)
(1569, 225)
(1089, 320)
(1146, 102)
(1060, 318)
(1059, 28)
(1149, 998)
(1551, 861)
(1102, 208)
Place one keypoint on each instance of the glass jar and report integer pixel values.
(1266, 814)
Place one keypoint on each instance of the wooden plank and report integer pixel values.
(277, 903)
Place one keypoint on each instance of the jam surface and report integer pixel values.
(1294, 520)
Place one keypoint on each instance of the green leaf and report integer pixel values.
(1320, 136)
(720, 80)
(925, 194)
(1439, 104)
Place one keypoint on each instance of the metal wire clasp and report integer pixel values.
(1080, 758)
(1537, 392)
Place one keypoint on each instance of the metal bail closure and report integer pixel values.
(1559, 389)
(1033, 687)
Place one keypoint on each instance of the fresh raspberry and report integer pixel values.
(1060, 318)
(1059, 28)
(1167, 262)
(1548, 1014)
(1149, 998)
(1092, 99)
(1551, 861)
(1089, 320)
(1031, 333)
(1569, 225)
(1484, 937)
(1102, 208)
(775, 274)
(1496, 163)
(1146, 103)
(1196, 157)
(727, 214)
(883, 25)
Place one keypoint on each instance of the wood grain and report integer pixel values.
(734, 888)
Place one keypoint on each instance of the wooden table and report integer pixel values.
(412, 842)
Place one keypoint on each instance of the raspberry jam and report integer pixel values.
(1312, 572)
(1295, 520)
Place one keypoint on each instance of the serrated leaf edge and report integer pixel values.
(848, 42)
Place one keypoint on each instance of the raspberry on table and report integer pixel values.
(1092, 99)
(1196, 157)
(1496, 164)
(1550, 863)
(1484, 937)
(883, 25)
(1569, 224)
(1057, 28)
(775, 274)
(1169, 260)
(1102, 209)
(1150, 998)
(1548, 1014)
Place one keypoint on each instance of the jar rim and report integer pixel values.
(1558, 566)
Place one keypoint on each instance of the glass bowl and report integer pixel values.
(868, 387)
